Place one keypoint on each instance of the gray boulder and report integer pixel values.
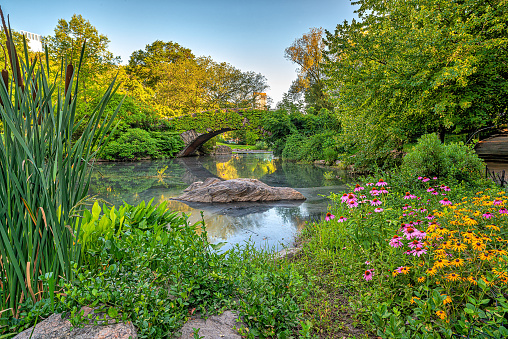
(55, 327)
(235, 190)
(215, 327)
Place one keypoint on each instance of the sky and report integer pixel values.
(250, 35)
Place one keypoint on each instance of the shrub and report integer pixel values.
(132, 144)
(430, 158)
(293, 146)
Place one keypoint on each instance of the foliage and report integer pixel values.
(44, 175)
(307, 52)
(410, 68)
(136, 143)
(453, 162)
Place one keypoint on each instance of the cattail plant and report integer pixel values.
(44, 177)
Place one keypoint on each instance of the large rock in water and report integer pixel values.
(216, 190)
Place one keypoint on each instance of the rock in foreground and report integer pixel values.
(235, 190)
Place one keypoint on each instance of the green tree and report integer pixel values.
(65, 44)
(413, 67)
(307, 52)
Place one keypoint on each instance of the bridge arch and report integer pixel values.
(196, 129)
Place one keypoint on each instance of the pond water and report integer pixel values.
(267, 224)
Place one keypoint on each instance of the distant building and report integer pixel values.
(259, 100)
(34, 41)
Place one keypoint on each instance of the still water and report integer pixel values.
(267, 224)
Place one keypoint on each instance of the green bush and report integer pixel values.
(430, 158)
(293, 146)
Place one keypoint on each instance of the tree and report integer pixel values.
(142, 63)
(412, 67)
(307, 52)
(66, 44)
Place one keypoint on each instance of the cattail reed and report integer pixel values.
(5, 76)
(68, 77)
(10, 50)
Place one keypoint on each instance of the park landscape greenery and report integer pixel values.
(415, 250)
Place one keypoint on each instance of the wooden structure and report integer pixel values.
(494, 148)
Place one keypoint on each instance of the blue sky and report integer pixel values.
(250, 35)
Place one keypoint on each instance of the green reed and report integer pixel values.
(45, 172)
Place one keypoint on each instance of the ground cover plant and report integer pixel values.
(425, 263)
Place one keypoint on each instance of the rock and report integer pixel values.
(320, 162)
(222, 149)
(235, 190)
(288, 253)
(215, 327)
(55, 327)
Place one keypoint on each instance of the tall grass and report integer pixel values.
(44, 175)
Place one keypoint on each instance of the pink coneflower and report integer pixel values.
(369, 184)
(341, 219)
(374, 191)
(420, 178)
(401, 269)
(417, 222)
(395, 241)
(352, 203)
(351, 196)
(381, 182)
(375, 202)
(422, 210)
(435, 193)
(425, 179)
(368, 275)
(329, 216)
(358, 188)
(411, 232)
(405, 207)
(430, 217)
(447, 188)
(497, 202)
(378, 210)
(383, 190)
(503, 211)
(344, 197)
(418, 251)
(421, 235)
(487, 215)
(415, 243)
(367, 263)
(434, 178)
(362, 196)
(430, 189)
(445, 201)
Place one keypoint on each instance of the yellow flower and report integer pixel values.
(469, 221)
(404, 270)
(493, 227)
(421, 279)
(413, 300)
(441, 314)
(457, 246)
(395, 273)
(457, 262)
(472, 280)
(441, 263)
(440, 254)
(478, 245)
(452, 277)
(447, 299)
(431, 271)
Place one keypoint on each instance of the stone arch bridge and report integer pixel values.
(197, 128)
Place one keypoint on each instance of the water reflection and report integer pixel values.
(266, 223)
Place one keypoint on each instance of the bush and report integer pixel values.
(293, 146)
(430, 158)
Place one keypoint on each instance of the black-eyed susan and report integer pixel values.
(447, 300)
(453, 277)
(478, 245)
(472, 280)
(441, 263)
(421, 279)
(413, 300)
(441, 314)
(458, 246)
(431, 271)
(457, 262)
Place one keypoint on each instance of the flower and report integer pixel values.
(457, 246)
(425, 179)
(406, 206)
(447, 300)
(329, 216)
(369, 184)
(447, 188)
(344, 197)
(503, 211)
(441, 314)
(378, 210)
(341, 219)
(351, 196)
(374, 192)
(487, 215)
(415, 243)
(430, 217)
(430, 189)
(457, 262)
(445, 201)
(421, 279)
(368, 275)
(413, 300)
(497, 202)
(395, 242)
(375, 202)
(418, 251)
(452, 277)
(352, 203)
(478, 245)
(381, 182)
(472, 280)
(358, 188)
(441, 263)
(431, 271)
(367, 263)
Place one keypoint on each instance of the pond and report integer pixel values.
(266, 224)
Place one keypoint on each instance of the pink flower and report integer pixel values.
(421, 235)
(411, 232)
(420, 178)
(430, 189)
(374, 192)
(409, 196)
(383, 190)
(435, 178)
(418, 251)
(445, 201)
(430, 217)
(375, 202)
(377, 210)
(425, 179)
(381, 182)
(344, 197)
(368, 275)
(400, 269)
(329, 216)
(488, 215)
(367, 263)
(503, 211)
(358, 188)
(395, 241)
(351, 196)
(352, 203)
(341, 219)
(497, 202)
(447, 188)
(415, 243)
(406, 206)
(434, 193)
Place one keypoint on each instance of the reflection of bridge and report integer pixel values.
(198, 128)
